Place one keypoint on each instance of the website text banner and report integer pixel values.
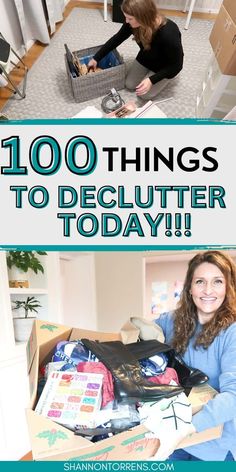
(110, 183)
(116, 466)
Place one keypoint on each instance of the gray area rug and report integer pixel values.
(48, 93)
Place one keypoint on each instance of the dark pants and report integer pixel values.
(181, 455)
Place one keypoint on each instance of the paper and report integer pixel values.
(89, 112)
(71, 398)
(149, 110)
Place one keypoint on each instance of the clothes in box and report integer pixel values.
(97, 84)
(51, 441)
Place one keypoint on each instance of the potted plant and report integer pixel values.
(20, 262)
(23, 324)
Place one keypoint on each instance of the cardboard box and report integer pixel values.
(230, 6)
(223, 38)
(198, 397)
(51, 441)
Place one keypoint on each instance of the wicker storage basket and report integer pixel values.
(86, 87)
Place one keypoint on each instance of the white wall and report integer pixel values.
(100, 291)
(9, 24)
(78, 290)
(120, 288)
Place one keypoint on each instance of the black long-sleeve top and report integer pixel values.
(165, 56)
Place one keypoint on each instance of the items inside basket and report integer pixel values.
(85, 84)
(80, 63)
(110, 60)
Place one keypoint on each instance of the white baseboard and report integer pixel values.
(196, 9)
(171, 6)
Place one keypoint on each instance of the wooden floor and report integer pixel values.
(35, 51)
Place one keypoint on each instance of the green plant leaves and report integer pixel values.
(25, 260)
(29, 305)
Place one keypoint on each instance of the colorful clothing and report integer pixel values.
(107, 384)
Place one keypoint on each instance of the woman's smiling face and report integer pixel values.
(208, 289)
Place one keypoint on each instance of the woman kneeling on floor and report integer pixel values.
(161, 53)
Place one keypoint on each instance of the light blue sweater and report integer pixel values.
(219, 363)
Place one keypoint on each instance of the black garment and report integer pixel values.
(188, 376)
(165, 57)
(129, 384)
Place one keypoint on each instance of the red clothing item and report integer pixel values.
(165, 378)
(107, 385)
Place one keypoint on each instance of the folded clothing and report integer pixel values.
(167, 378)
(154, 365)
(73, 352)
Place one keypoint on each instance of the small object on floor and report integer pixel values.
(124, 111)
(130, 110)
(112, 101)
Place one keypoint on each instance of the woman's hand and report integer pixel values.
(92, 64)
(170, 421)
(143, 87)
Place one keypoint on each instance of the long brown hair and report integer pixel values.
(185, 320)
(147, 15)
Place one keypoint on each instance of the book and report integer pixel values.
(71, 398)
(70, 62)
